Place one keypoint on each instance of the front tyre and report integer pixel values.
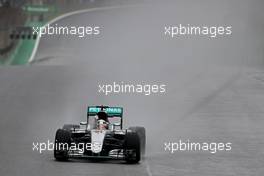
(132, 148)
(142, 135)
(62, 144)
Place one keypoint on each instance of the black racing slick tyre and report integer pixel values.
(69, 127)
(62, 145)
(132, 148)
(142, 135)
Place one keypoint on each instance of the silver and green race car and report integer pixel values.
(101, 136)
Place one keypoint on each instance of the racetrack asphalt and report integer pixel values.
(214, 90)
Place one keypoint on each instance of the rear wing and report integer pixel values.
(111, 111)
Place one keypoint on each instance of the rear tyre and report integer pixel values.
(62, 144)
(69, 127)
(132, 148)
(142, 135)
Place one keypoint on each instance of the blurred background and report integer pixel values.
(24, 13)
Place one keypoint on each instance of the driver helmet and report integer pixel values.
(102, 122)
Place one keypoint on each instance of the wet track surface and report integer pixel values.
(214, 91)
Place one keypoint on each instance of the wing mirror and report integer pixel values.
(83, 123)
(117, 124)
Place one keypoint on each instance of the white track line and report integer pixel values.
(31, 59)
(148, 168)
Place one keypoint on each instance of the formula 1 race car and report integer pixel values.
(101, 136)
